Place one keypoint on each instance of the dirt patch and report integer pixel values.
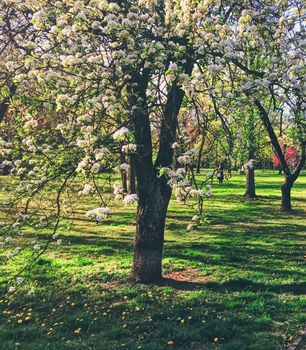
(300, 341)
(187, 279)
(187, 275)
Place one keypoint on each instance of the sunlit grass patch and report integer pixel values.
(236, 283)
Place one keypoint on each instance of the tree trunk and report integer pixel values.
(153, 192)
(132, 175)
(250, 178)
(286, 194)
(199, 159)
(290, 177)
(123, 173)
(151, 217)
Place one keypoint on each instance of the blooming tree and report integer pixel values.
(82, 78)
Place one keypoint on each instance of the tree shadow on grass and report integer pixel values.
(239, 285)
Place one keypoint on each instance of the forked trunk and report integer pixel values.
(151, 217)
(153, 192)
(250, 191)
(286, 194)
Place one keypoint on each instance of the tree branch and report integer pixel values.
(266, 121)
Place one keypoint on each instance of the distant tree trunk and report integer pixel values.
(290, 177)
(199, 159)
(250, 178)
(286, 193)
(123, 173)
(132, 175)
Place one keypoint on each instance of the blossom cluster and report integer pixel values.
(99, 214)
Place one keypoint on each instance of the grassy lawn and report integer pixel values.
(236, 283)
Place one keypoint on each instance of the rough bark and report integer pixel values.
(153, 192)
(151, 217)
(250, 191)
(286, 194)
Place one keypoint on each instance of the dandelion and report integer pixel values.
(77, 331)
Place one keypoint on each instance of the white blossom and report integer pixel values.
(184, 159)
(175, 145)
(119, 134)
(130, 198)
(129, 148)
(19, 280)
(124, 167)
(86, 190)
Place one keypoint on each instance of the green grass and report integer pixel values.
(244, 281)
